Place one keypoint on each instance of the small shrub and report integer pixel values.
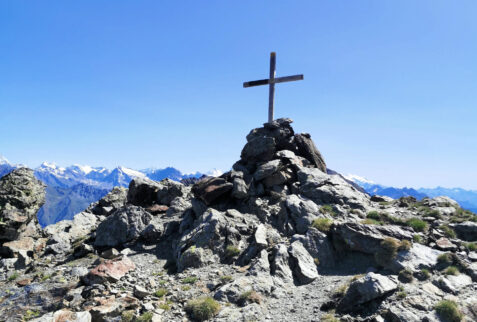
(423, 274)
(14, 276)
(127, 316)
(202, 308)
(401, 295)
(341, 291)
(328, 209)
(145, 317)
(226, 279)
(471, 246)
(448, 311)
(417, 238)
(322, 224)
(445, 259)
(29, 314)
(448, 232)
(452, 270)
(189, 280)
(165, 306)
(405, 276)
(160, 292)
(186, 287)
(328, 317)
(417, 224)
(405, 245)
(232, 251)
(250, 297)
(373, 215)
(388, 251)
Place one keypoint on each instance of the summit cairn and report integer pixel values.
(279, 237)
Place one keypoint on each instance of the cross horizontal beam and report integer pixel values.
(273, 81)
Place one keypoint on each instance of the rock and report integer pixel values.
(195, 257)
(261, 265)
(267, 169)
(153, 232)
(157, 209)
(259, 149)
(211, 188)
(366, 289)
(110, 253)
(445, 244)
(454, 284)
(240, 189)
(109, 270)
(79, 271)
(169, 190)
(126, 224)
(466, 231)
(330, 189)
(418, 257)
(307, 149)
(143, 192)
(303, 211)
(367, 238)
(21, 196)
(260, 236)
(319, 246)
(65, 315)
(303, 265)
(280, 266)
(140, 292)
(115, 199)
(12, 248)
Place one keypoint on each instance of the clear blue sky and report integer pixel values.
(390, 87)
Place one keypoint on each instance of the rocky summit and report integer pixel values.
(277, 238)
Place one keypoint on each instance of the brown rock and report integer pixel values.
(157, 209)
(445, 244)
(307, 149)
(211, 188)
(110, 270)
(24, 282)
(23, 244)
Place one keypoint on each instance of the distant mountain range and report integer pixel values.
(72, 189)
(466, 198)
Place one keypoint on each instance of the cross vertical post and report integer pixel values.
(271, 93)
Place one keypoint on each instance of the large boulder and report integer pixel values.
(330, 189)
(366, 289)
(418, 257)
(143, 192)
(21, 196)
(319, 247)
(115, 199)
(211, 188)
(366, 238)
(170, 190)
(125, 225)
(307, 149)
(303, 265)
(109, 270)
(302, 210)
(466, 230)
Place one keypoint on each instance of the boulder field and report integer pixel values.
(277, 238)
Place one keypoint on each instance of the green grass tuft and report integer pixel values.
(322, 224)
(203, 308)
(417, 224)
(448, 311)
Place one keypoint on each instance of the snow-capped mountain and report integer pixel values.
(72, 189)
(466, 198)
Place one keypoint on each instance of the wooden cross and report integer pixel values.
(272, 81)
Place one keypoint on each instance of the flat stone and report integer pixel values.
(140, 292)
(304, 266)
(110, 270)
(445, 244)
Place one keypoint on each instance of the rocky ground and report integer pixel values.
(278, 238)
